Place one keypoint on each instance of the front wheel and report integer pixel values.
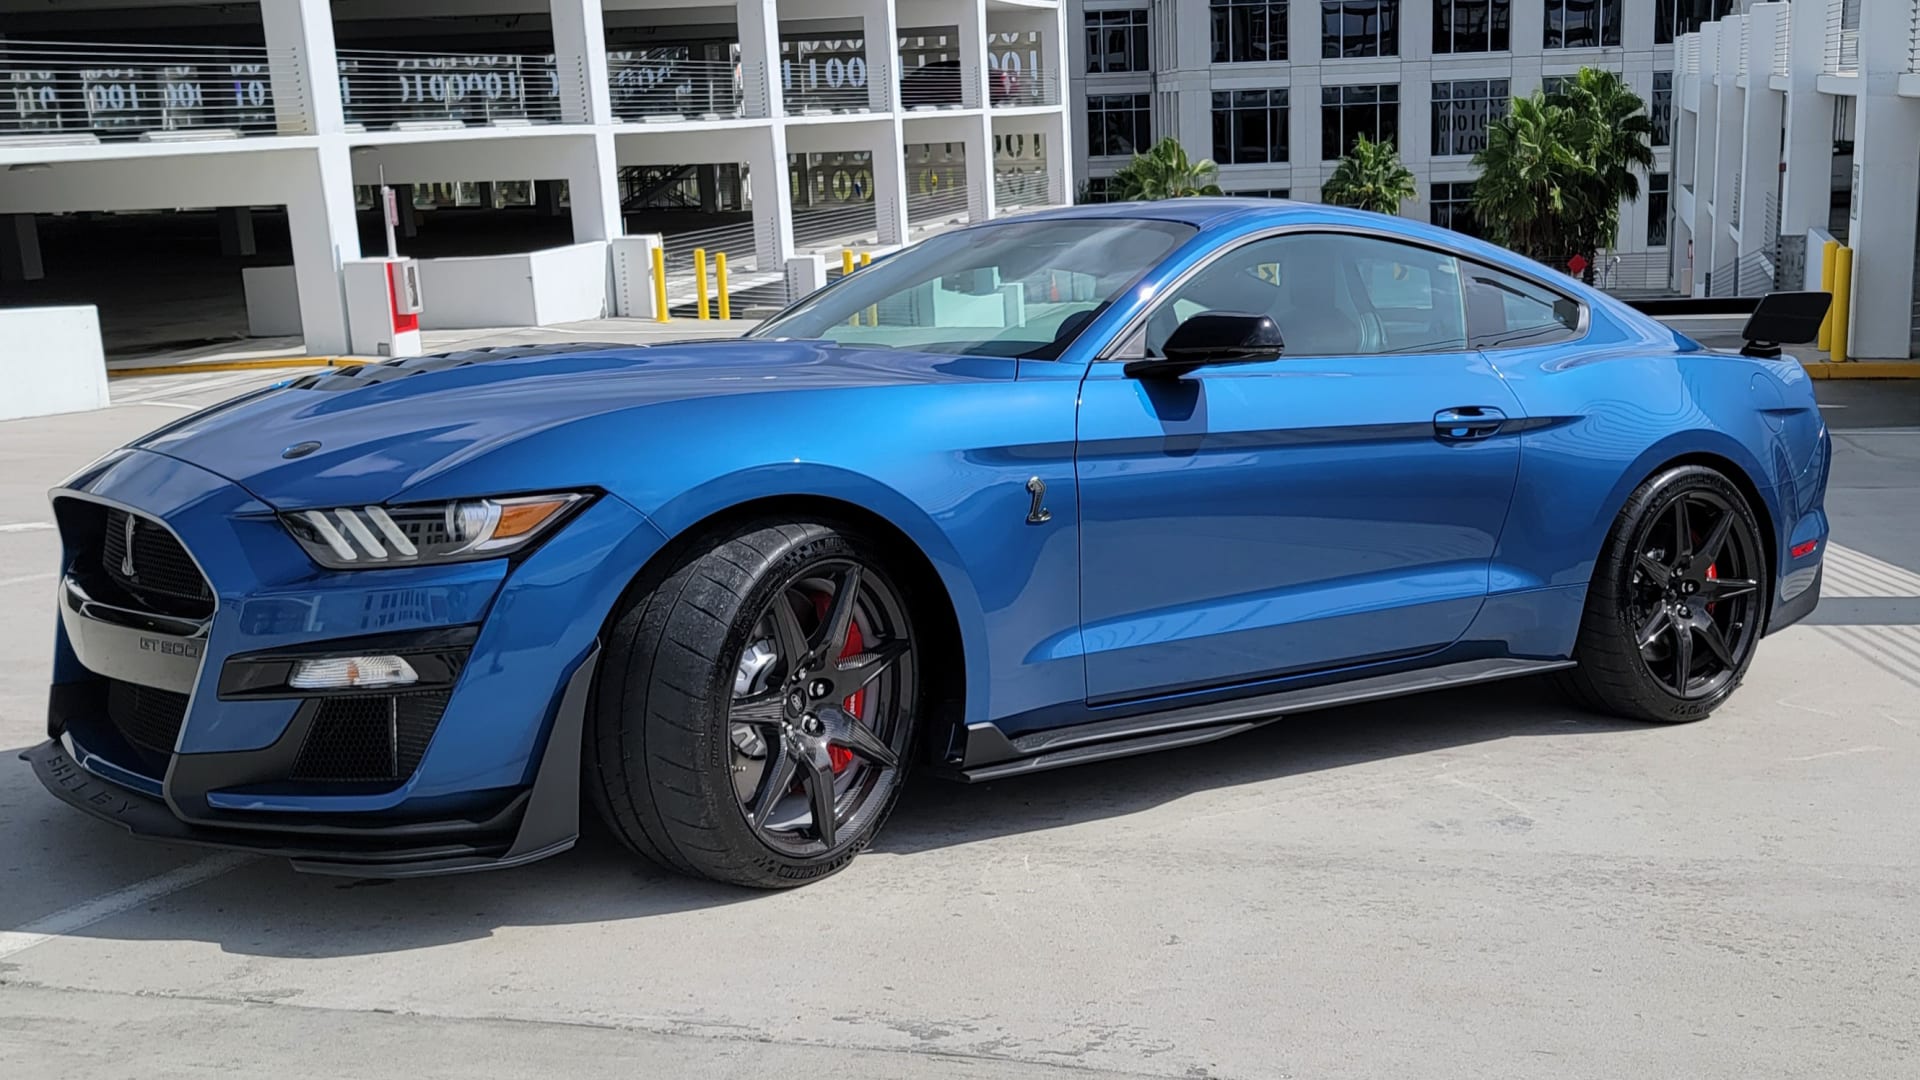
(755, 717)
(1677, 604)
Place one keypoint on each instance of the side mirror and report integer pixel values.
(1789, 318)
(1210, 338)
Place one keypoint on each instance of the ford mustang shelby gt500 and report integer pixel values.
(1039, 492)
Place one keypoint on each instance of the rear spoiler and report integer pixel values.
(1773, 320)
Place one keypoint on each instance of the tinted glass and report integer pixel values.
(1510, 312)
(1024, 289)
(1331, 295)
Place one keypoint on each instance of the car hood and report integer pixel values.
(383, 428)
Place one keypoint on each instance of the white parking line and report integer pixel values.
(24, 579)
(82, 915)
(26, 526)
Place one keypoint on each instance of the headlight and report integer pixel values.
(357, 537)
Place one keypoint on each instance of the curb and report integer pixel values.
(1863, 369)
(232, 365)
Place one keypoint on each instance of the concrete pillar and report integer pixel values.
(978, 148)
(759, 24)
(236, 230)
(580, 54)
(889, 182)
(882, 34)
(1806, 191)
(547, 195)
(772, 191)
(409, 215)
(707, 179)
(593, 187)
(484, 188)
(1706, 146)
(973, 57)
(320, 220)
(20, 249)
(1886, 191)
(805, 274)
(1726, 157)
(305, 69)
(1760, 159)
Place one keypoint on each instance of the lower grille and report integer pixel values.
(149, 719)
(369, 738)
(145, 560)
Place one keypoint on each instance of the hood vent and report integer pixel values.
(348, 378)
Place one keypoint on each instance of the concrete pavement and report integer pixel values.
(1480, 884)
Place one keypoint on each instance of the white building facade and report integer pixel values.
(895, 110)
(1798, 119)
(1275, 90)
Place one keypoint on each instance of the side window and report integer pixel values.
(1508, 312)
(1331, 294)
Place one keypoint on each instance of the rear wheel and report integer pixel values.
(1677, 602)
(755, 716)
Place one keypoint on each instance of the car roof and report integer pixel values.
(1200, 211)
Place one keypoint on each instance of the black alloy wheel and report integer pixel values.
(1678, 601)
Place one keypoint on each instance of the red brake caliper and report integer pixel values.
(856, 644)
(1713, 573)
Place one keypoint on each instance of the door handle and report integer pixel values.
(1467, 422)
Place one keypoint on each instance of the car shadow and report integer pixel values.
(266, 909)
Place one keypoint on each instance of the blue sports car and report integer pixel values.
(1044, 491)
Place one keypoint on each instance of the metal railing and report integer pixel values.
(1749, 275)
(1783, 42)
(385, 89)
(1627, 273)
(1019, 188)
(938, 207)
(1842, 51)
(1023, 89)
(818, 90)
(937, 86)
(90, 92)
(646, 88)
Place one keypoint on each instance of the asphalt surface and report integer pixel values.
(1477, 884)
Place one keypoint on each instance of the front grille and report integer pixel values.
(163, 576)
(374, 738)
(149, 719)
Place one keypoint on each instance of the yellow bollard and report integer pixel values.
(866, 259)
(1842, 305)
(846, 261)
(873, 310)
(720, 281)
(700, 280)
(1829, 252)
(660, 285)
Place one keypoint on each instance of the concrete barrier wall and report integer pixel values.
(51, 361)
(531, 288)
(273, 301)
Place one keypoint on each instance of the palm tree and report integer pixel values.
(1164, 172)
(1613, 135)
(1370, 177)
(1530, 169)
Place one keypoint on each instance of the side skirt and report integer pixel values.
(990, 755)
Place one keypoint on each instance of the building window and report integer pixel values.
(1671, 18)
(1118, 125)
(1359, 28)
(1462, 112)
(1117, 41)
(1348, 112)
(1247, 31)
(1657, 210)
(1262, 193)
(1469, 26)
(1582, 24)
(1453, 207)
(1096, 190)
(1661, 111)
(1554, 85)
(1250, 126)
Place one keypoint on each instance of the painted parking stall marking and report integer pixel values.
(85, 914)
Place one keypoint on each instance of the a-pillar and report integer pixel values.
(320, 222)
(1726, 157)
(1886, 191)
(1760, 161)
(1806, 188)
(20, 249)
(1706, 145)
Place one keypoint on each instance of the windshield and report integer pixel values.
(1021, 289)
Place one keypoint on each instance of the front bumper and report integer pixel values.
(544, 820)
(174, 725)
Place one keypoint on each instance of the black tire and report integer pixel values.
(669, 740)
(1663, 637)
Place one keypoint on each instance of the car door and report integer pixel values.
(1336, 506)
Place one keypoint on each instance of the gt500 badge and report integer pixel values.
(169, 647)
